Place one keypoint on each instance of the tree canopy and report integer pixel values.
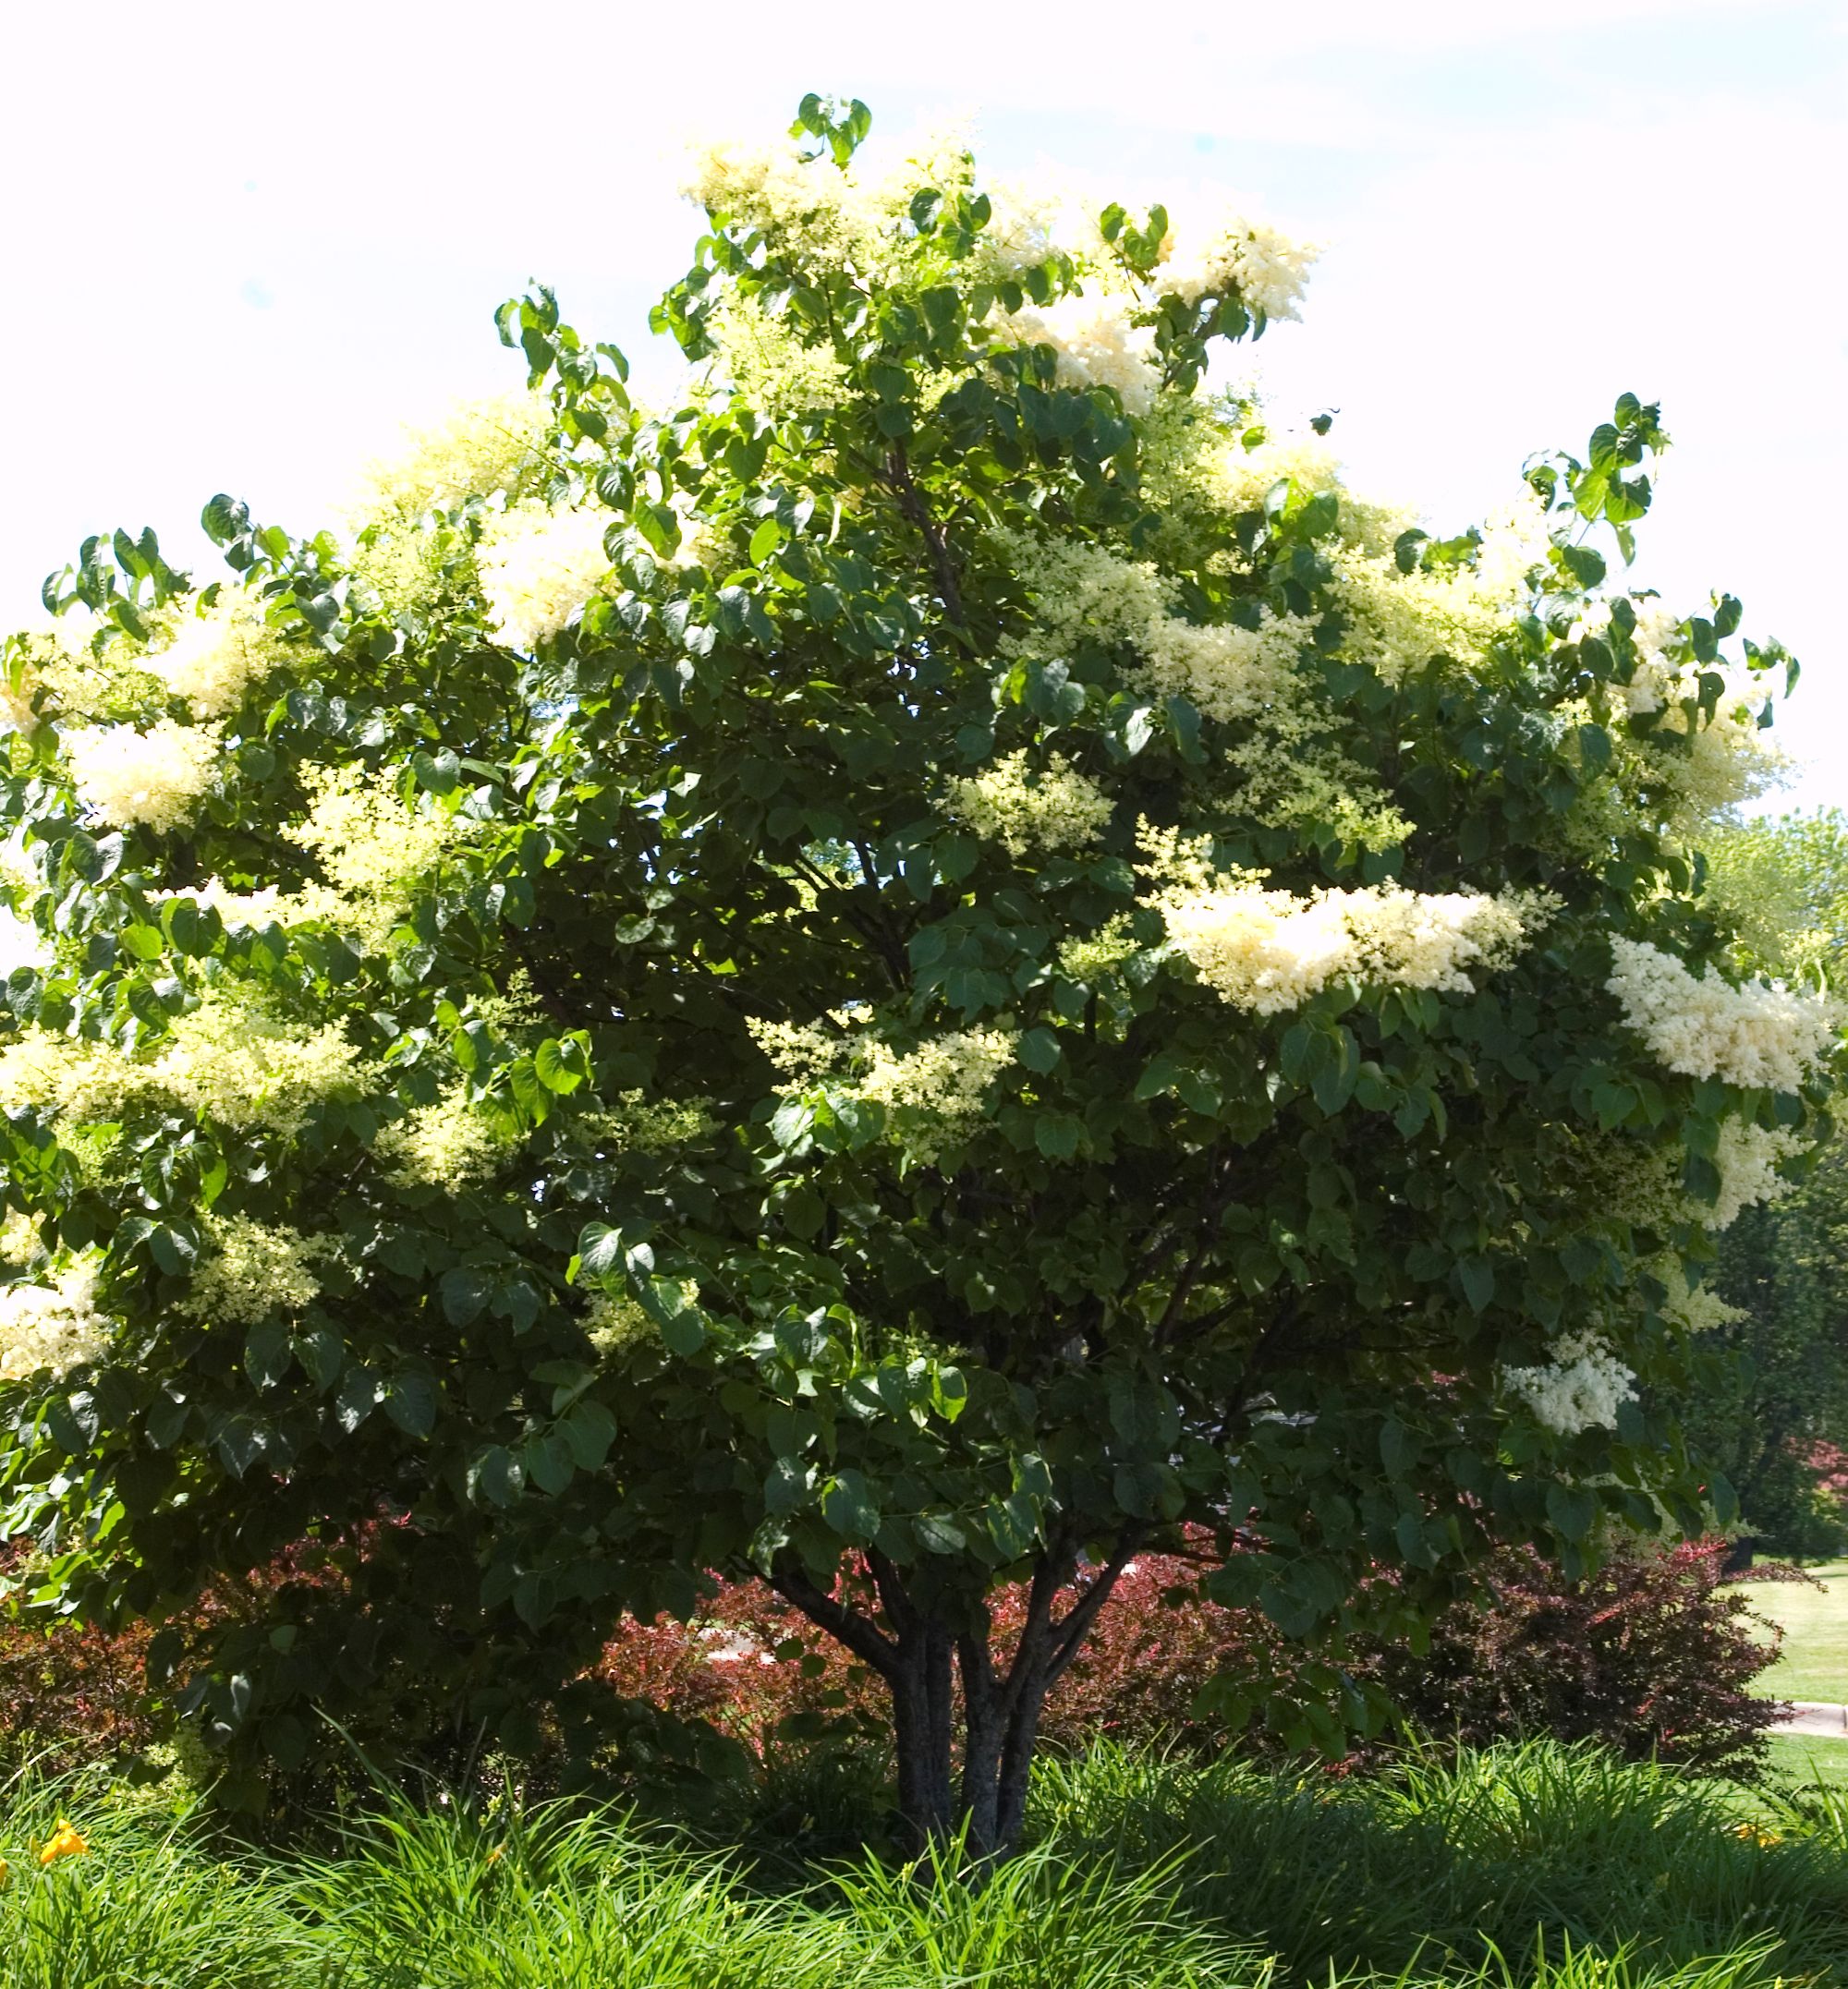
(912, 971)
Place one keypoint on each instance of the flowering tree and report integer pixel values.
(912, 973)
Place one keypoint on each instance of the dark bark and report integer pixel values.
(922, 1659)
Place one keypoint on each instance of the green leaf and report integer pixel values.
(494, 1477)
(1477, 1276)
(411, 1401)
(589, 1429)
(464, 1292)
(1572, 1510)
(848, 1507)
(1057, 1135)
(1039, 1049)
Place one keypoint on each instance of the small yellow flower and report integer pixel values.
(5, 1874)
(66, 1841)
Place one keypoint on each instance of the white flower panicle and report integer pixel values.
(19, 681)
(943, 1083)
(1693, 1308)
(1264, 267)
(762, 358)
(796, 202)
(1267, 950)
(1023, 229)
(1697, 765)
(1762, 1033)
(1081, 591)
(632, 1122)
(250, 1269)
(538, 566)
(80, 1079)
(1746, 1160)
(940, 1086)
(156, 778)
(449, 1145)
(1095, 345)
(477, 449)
(803, 1051)
(53, 1326)
(231, 1058)
(374, 844)
(1580, 1388)
(1054, 808)
(215, 657)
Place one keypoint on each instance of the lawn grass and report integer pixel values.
(1801, 1758)
(1814, 1661)
(1531, 1867)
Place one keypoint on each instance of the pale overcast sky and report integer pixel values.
(240, 243)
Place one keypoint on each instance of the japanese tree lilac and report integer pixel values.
(936, 970)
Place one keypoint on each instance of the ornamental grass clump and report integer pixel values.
(129, 1892)
(911, 976)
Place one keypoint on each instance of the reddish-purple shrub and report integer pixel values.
(1652, 1655)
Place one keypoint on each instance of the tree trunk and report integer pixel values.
(922, 1659)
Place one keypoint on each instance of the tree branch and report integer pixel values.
(845, 1625)
(936, 540)
(1072, 1626)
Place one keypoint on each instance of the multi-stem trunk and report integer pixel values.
(977, 1780)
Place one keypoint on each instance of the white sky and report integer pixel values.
(238, 245)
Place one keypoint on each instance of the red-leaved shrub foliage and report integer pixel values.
(1654, 1654)
(1829, 1463)
(71, 1695)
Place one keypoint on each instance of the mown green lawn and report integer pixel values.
(1814, 1662)
(1800, 1759)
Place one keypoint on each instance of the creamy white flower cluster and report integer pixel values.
(1097, 347)
(939, 1087)
(1081, 590)
(476, 449)
(215, 656)
(229, 1057)
(450, 1144)
(156, 778)
(807, 203)
(1262, 266)
(538, 566)
(1762, 1033)
(1267, 950)
(1397, 622)
(249, 1269)
(54, 1325)
(813, 207)
(1580, 1388)
(1024, 228)
(1746, 1160)
(943, 1082)
(1697, 765)
(761, 358)
(1693, 1308)
(372, 844)
(18, 679)
(1051, 808)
